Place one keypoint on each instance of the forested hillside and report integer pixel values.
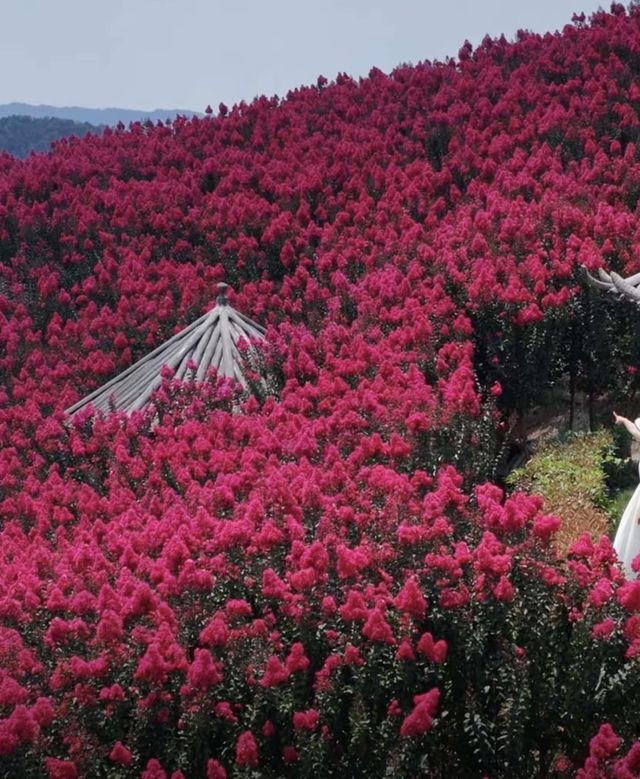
(20, 135)
(322, 578)
(94, 116)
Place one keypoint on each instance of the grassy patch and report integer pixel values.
(573, 475)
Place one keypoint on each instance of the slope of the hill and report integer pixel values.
(488, 181)
(21, 135)
(321, 584)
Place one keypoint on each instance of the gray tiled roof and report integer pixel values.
(209, 342)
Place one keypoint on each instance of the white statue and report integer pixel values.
(627, 540)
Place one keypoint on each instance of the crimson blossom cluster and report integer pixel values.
(322, 579)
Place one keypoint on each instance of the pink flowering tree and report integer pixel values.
(321, 580)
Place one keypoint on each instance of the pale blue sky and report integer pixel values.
(184, 54)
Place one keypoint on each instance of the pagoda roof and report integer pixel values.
(211, 342)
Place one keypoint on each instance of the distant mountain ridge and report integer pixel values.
(95, 116)
(21, 135)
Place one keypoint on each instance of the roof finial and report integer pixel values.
(222, 299)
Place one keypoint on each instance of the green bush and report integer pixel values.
(579, 475)
(576, 464)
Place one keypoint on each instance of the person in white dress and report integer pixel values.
(627, 540)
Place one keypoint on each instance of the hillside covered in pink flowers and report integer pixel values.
(322, 579)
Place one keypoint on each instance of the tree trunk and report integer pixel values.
(572, 397)
(519, 432)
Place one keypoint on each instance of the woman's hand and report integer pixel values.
(631, 427)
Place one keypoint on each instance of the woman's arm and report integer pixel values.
(633, 430)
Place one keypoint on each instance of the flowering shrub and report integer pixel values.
(326, 583)
(210, 605)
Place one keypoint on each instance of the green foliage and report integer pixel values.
(575, 465)
(526, 359)
(616, 507)
(591, 342)
(470, 443)
(579, 476)
(601, 341)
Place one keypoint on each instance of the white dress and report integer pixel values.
(627, 540)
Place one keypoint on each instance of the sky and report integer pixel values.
(185, 54)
